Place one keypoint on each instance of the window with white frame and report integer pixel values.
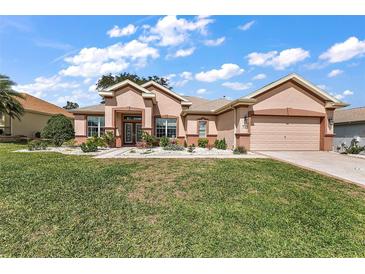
(166, 127)
(95, 126)
(202, 129)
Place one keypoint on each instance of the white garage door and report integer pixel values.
(285, 133)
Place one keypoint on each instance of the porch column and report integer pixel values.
(147, 116)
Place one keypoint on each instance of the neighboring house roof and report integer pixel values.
(295, 77)
(34, 104)
(96, 109)
(352, 115)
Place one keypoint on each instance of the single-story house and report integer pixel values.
(349, 124)
(288, 114)
(36, 114)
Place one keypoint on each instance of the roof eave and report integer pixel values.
(149, 83)
(236, 103)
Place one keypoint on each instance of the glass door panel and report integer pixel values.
(128, 133)
(138, 132)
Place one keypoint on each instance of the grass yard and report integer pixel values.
(53, 205)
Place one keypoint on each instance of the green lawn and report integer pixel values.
(53, 205)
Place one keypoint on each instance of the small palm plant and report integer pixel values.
(8, 98)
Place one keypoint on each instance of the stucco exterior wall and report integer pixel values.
(167, 106)
(80, 125)
(29, 124)
(289, 95)
(124, 98)
(225, 127)
(346, 132)
(192, 124)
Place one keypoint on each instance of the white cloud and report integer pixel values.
(172, 31)
(247, 25)
(334, 73)
(92, 62)
(201, 91)
(260, 59)
(41, 85)
(169, 76)
(237, 85)
(215, 42)
(118, 32)
(225, 72)
(92, 88)
(94, 69)
(322, 86)
(185, 77)
(344, 94)
(344, 51)
(259, 76)
(278, 60)
(348, 92)
(87, 81)
(76, 96)
(184, 52)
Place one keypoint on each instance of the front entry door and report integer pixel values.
(128, 133)
(132, 133)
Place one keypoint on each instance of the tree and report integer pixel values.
(59, 129)
(8, 98)
(109, 80)
(71, 105)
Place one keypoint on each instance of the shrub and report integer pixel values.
(59, 129)
(191, 148)
(98, 141)
(354, 147)
(185, 143)
(202, 142)
(174, 147)
(149, 139)
(164, 141)
(109, 139)
(37, 135)
(220, 144)
(141, 144)
(174, 141)
(240, 150)
(89, 147)
(37, 145)
(70, 143)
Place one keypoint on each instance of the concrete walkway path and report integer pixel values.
(330, 163)
(157, 153)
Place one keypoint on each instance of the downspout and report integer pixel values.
(234, 127)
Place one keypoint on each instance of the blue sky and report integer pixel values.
(60, 58)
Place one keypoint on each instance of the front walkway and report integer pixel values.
(158, 152)
(330, 163)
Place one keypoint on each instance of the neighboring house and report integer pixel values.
(349, 124)
(37, 112)
(289, 114)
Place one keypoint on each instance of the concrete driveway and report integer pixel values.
(331, 163)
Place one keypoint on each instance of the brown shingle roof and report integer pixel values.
(90, 109)
(31, 103)
(210, 105)
(199, 104)
(196, 100)
(349, 115)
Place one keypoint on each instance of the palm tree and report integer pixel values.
(8, 98)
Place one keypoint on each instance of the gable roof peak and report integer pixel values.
(172, 93)
(293, 76)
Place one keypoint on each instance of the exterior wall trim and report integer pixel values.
(286, 112)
